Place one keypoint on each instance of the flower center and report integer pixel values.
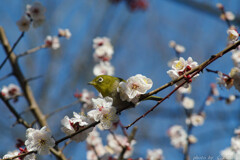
(179, 65)
(134, 86)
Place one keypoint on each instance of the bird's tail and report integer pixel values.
(154, 98)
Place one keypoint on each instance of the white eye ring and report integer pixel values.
(100, 79)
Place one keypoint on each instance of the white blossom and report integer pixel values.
(192, 139)
(180, 48)
(75, 124)
(235, 75)
(116, 142)
(52, 42)
(10, 91)
(133, 87)
(181, 66)
(228, 154)
(104, 112)
(101, 41)
(236, 58)
(232, 35)
(155, 154)
(195, 120)
(188, 103)
(64, 33)
(235, 143)
(178, 136)
(224, 80)
(36, 11)
(11, 154)
(94, 139)
(39, 140)
(103, 68)
(24, 23)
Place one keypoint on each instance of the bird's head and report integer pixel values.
(104, 84)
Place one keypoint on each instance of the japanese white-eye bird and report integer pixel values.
(108, 86)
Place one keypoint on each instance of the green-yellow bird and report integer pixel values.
(107, 86)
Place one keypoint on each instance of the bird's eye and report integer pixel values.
(100, 79)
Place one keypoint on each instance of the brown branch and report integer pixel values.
(12, 48)
(21, 155)
(22, 81)
(72, 135)
(26, 88)
(199, 68)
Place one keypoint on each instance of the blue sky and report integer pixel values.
(140, 42)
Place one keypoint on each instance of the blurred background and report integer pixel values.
(141, 46)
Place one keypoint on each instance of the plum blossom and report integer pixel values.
(224, 80)
(235, 75)
(232, 152)
(195, 120)
(188, 103)
(36, 13)
(39, 140)
(103, 49)
(76, 123)
(11, 91)
(236, 57)
(64, 33)
(104, 112)
(155, 154)
(233, 35)
(24, 23)
(103, 68)
(52, 42)
(180, 67)
(133, 87)
(116, 142)
(227, 16)
(85, 97)
(177, 47)
(178, 136)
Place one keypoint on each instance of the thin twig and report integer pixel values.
(62, 108)
(65, 144)
(20, 120)
(34, 78)
(123, 129)
(159, 102)
(30, 51)
(9, 53)
(6, 76)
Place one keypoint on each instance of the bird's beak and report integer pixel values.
(92, 83)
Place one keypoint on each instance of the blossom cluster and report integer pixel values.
(233, 152)
(11, 91)
(180, 67)
(34, 13)
(37, 140)
(103, 52)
